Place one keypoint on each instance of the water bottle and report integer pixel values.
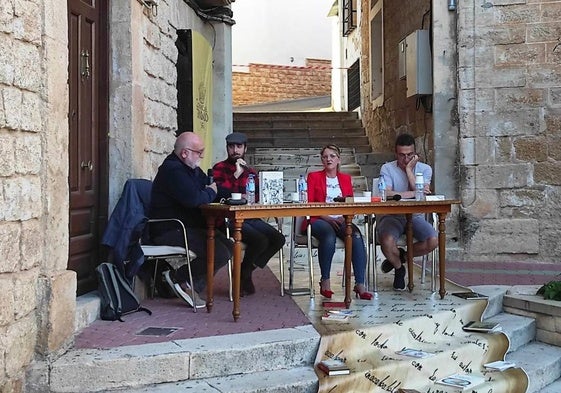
(419, 187)
(382, 188)
(302, 190)
(250, 190)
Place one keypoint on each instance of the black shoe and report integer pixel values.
(399, 279)
(247, 287)
(387, 265)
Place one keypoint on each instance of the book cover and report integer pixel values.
(470, 295)
(499, 365)
(271, 188)
(334, 317)
(462, 381)
(334, 367)
(482, 326)
(414, 353)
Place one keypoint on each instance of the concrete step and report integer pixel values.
(295, 380)
(295, 159)
(272, 116)
(90, 370)
(542, 363)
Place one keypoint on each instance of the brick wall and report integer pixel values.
(270, 83)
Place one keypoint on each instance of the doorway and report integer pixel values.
(88, 125)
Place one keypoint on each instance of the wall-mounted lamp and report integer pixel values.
(451, 5)
(151, 5)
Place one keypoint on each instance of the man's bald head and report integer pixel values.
(190, 148)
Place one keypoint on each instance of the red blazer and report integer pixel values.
(317, 188)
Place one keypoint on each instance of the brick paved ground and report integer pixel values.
(267, 310)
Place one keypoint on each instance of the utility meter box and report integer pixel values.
(418, 63)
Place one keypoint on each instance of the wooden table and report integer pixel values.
(237, 214)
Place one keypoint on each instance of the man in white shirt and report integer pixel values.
(399, 176)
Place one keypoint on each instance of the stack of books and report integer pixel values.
(334, 367)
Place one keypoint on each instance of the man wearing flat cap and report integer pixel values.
(262, 240)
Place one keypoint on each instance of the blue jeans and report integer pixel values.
(326, 236)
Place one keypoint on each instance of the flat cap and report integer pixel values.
(237, 138)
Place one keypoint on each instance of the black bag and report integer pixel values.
(116, 294)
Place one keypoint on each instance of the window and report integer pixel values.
(349, 16)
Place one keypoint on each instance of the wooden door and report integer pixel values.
(87, 116)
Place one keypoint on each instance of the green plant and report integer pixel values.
(551, 290)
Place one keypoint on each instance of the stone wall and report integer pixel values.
(398, 113)
(38, 294)
(510, 129)
(38, 299)
(497, 147)
(270, 83)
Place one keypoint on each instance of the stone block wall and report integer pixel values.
(264, 83)
(510, 128)
(398, 113)
(38, 294)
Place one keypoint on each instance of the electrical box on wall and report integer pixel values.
(418, 63)
(401, 59)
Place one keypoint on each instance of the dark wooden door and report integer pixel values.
(87, 116)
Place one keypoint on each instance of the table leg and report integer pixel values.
(237, 267)
(442, 253)
(210, 264)
(348, 258)
(409, 232)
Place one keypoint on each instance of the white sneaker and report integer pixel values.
(199, 303)
(170, 282)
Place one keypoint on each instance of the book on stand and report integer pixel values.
(334, 367)
(470, 295)
(482, 327)
(271, 187)
(499, 365)
(462, 381)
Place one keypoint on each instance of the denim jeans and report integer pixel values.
(326, 236)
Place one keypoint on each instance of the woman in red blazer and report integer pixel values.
(324, 186)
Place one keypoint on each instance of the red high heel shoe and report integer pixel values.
(325, 292)
(363, 295)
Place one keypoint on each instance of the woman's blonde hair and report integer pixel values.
(331, 147)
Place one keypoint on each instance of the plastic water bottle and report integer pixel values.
(419, 187)
(382, 188)
(302, 190)
(250, 190)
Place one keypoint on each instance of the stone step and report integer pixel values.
(316, 127)
(542, 363)
(294, 171)
(305, 151)
(295, 159)
(359, 143)
(295, 380)
(91, 370)
(272, 116)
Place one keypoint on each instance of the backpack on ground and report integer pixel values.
(117, 296)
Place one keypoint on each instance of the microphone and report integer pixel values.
(210, 174)
(395, 197)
